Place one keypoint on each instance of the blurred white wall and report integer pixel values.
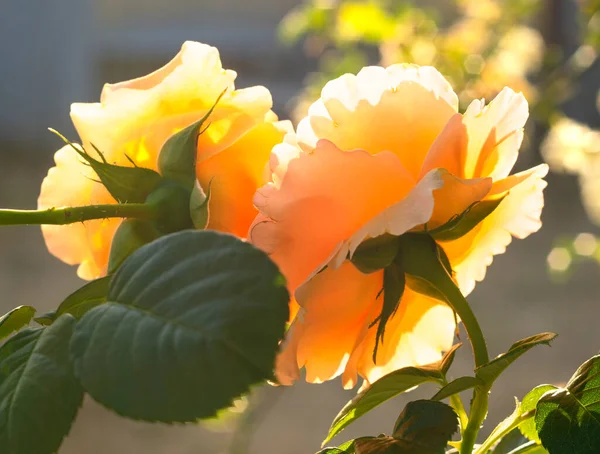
(53, 52)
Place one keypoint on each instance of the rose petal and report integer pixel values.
(484, 142)
(70, 184)
(136, 117)
(335, 306)
(420, 331)
(517, 215)
(236, 173)
(401, 109)
(455, 196)
(324, 197)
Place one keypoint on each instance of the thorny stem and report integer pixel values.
(70, 215)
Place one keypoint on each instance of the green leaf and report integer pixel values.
(462, 224)
(489, 372)
(46, 319)
(423, 427)
(129, 236)
(15, 320)
(191, 321)
(457, 386)
(376, 253)
(85, 298)
(39, 396)
(177, 157)
(199, 206)
(125, 184)
(385, 388)
(522, 417)
(568, 419)
(393, 289)
(448, 359)
(529, 403)
(426, 426)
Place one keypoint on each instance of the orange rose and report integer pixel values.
(135, 118)
(385, 151)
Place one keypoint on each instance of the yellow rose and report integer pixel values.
(385, 151)
(135, 118)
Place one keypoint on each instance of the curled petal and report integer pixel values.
(455, 196)
(335, 309)
(484, 142)
(400, 109)
(517, 215)
(235, 174)
(324, 197)
(413, 210)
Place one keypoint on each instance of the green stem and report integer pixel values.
(70, 215)
(479, 403)
(479, 409)
(524, 448)
(459, 408)
(459, 304)
(497, 436)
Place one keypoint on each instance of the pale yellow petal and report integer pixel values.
(401, 109)
(517, 215)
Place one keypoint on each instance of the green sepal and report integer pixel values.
(125, 184)
(172, 200)
(129, 236)
(15, 319)
(375, 254)
(199, 206)
(393, 289)
(177, 157)
(427, 272)
(466, 221)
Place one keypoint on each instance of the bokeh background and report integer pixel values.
(55, 53)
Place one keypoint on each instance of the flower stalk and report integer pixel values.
(71, 215)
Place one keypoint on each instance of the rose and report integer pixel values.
(385, 151)
(134, 119)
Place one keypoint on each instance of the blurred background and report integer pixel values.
(55, 53)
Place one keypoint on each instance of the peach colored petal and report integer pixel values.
(484, 142)
(335, 305)
(69, 184)
(420, 331)
(400, 109)
(455, 196)
(517, 215)
(236, 173)
(323, 198)
(412, 210)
